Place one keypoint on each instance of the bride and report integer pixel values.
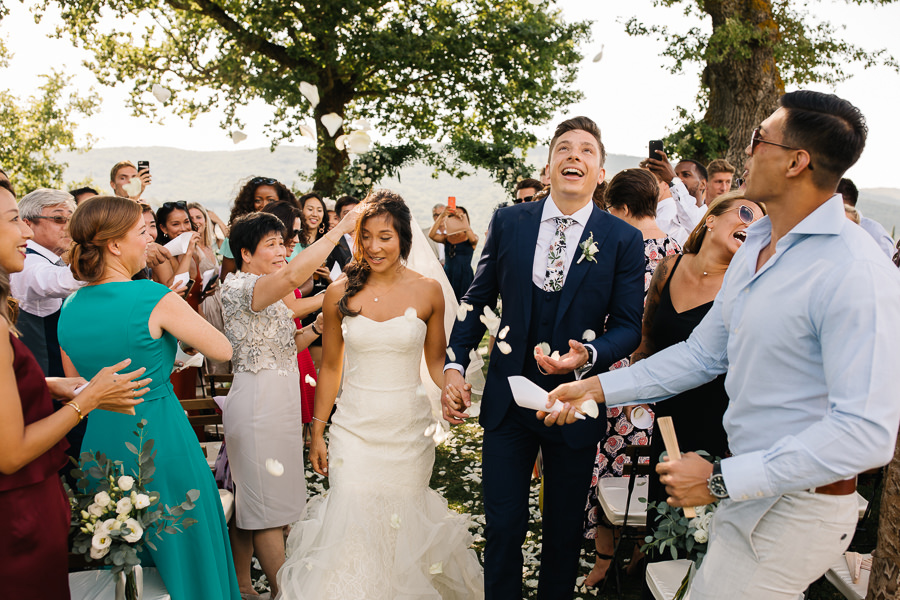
(380, 532)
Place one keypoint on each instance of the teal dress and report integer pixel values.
(102, 325)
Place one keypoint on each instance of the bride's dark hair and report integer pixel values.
(379, 202)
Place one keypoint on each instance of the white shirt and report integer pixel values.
(42, 285)
(879, 234)
(545, 237)
(667, 219)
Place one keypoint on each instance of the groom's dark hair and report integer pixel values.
(584, 124)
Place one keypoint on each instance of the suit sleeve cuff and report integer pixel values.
(456, 366)
(745, 477)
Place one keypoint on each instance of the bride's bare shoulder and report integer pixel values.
(422, 282)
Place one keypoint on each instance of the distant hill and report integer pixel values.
(213, 179)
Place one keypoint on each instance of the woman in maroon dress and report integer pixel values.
(34, 511)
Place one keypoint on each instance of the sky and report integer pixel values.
(630, 92)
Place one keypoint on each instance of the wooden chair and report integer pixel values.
(203, 412)
(217, 384)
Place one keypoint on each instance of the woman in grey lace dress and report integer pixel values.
(262, 415)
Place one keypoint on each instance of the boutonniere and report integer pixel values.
(588, 249)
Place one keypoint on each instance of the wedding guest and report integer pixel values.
(252, 197)
(803, 378)
(721, 176)
(210, 306)
(630, 196)
(847, 189)
(312, 208)
(262, 415)
(159, 260)
(851, 213)
(121, 175)
(34, 509)
(526, 190)
(83, 193)
(343, 252)
(459, 247)
(144, 321)
(436, 211)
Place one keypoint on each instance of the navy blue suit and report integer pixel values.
(604, 295)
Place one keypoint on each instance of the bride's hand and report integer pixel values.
(318, 455)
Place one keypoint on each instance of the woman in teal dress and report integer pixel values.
(113, 316)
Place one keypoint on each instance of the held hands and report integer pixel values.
(318, 454)
(114, 391)
(576, 357)
(686, 480)
(456, 397)
(660, 167)
(572, 395)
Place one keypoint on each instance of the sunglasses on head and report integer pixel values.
(263, 181)
(756, 140)
(745, 213)
(180, 205)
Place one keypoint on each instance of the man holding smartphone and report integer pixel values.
(121, 179)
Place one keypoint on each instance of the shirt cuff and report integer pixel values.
(456, 366)
(745, 477)
(586, 367)
(619, 387)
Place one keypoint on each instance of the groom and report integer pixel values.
(566, 271)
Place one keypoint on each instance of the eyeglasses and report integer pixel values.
(180, 205)
(744, 212)
(525, 199)
(263, 181)
(755, 141)
(58, 219)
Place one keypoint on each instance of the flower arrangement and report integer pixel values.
(588, 249)
(114, 514)
(359, 177)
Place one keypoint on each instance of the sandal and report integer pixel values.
(599, 556)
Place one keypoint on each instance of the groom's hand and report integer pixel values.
(456, 397)
(576, 357)
(572, 395)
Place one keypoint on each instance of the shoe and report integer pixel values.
(599, 556)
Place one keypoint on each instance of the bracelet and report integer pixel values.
(313, 327)
(320, 421)
(329, 239)
(74, 405)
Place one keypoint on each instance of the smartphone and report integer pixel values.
(209, 284)
(143, 165)
(190, 284)
(654, 146)
(451, 203)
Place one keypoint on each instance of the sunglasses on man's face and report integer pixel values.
(756, 140)
(58, 219)
(745, 213)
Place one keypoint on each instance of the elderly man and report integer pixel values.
(45, 281)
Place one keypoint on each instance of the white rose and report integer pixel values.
(124, 506)
(101, 499)
(101, 540)
(98, 552)
(701, 537)
(126, 482)
(142, 501)
(136, 531)
(95, 510)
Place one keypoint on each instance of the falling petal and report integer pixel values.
(309, 380)
(395, 521)
(411, 314)
(275, 468)
(307, 131)
(430, 430)
(463, 310)
(590, 408)
(133, 187)
(238, 136)
(504, 347)
(450, 354)
(599, 56)
(358, 142)
(310, 92)
(437, 568)
(503, 332)
(160, 93)
(340, 141)
(589, 335)
(362, 124)
(555, 355)
(545, 348)
(332, 122)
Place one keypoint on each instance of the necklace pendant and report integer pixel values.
(376, 299)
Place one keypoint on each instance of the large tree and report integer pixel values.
(441, 70)
(884, 581)
(753, 49)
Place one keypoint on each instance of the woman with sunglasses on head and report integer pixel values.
(681, 293)
(252, 197)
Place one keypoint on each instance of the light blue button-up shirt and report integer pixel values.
(811, 344)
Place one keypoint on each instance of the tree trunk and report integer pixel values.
(743, 91)
(330, 161)
(884, 581)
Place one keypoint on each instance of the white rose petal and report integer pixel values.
(125, 483)
(275, 468)
(238, 136)
(437, 568)
(160, 93)
(307, 131)
(545, 348)
(504, 347)
(503, 332)
(362, 124)
(309, 380)
(589, 335)
(136, 531)
(395, 521)
(430, 430)
(332, 122)
(124, 506)
(451, 355)
(142, 501)
(462, 311)
(358, 142)
(590, 408)
(310, 92)
(101, 499)
(555, 355)
(133, 187)
(340, 141)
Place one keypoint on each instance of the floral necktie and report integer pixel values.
(556, 257)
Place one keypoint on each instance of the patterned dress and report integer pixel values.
(620, 432)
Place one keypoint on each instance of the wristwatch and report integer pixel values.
(716, 482)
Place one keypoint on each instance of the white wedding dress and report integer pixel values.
(380, 532)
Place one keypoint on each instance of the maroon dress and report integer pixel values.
(34, 510)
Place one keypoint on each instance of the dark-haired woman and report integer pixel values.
(34, 510)
(262, 416)
(113, 317)
(253, 196)
(381, 533)
(453, 230)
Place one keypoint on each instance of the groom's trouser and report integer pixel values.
(508, 456)
(774, 548)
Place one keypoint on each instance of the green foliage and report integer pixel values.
(380, 162)
(34, 131)
(499, 160)
(485, 70)
(696, 139)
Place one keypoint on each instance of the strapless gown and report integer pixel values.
(380, 532)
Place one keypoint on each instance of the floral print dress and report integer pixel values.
(620, 432)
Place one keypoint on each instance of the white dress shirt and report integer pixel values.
(879, 234)
(667, 219)
(547, 232)
(43, 284)
(810, 345)
(689, 214)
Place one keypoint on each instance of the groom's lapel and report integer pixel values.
(526, 239)
(599, 226)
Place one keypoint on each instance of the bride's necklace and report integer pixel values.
(387, 291)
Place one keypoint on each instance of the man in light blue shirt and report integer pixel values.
(807, 326)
